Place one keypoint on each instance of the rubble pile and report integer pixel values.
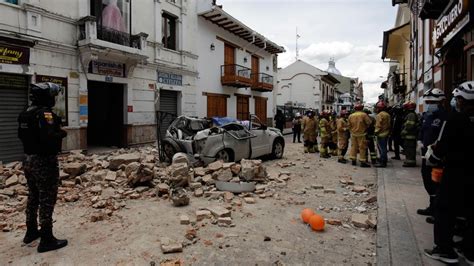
(105, 182)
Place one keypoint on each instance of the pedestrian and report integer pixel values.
(397, 130)
(297, 127)
(280, 120)
(342, 136)
(431, 124)
(324, 134)
(453, 151)
(390, 139)
(309, 125)
(370, 137)
(41, 134)
(382, 132)
(358, 124)
(409, 134)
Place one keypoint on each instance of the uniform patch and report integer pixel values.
(49, 117)
(436, 122)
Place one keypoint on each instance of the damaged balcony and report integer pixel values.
(236, 76)
(262, 82)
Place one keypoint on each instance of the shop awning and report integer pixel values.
(395, 41)
(225, 21)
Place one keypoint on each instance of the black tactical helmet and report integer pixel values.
(43, 94)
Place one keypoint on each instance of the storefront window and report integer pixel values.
(15, 2)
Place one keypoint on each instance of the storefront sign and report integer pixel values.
(14, 55)
(107, 68)
(130, 108)
(61, 100)
(170, 79)
(449, 21)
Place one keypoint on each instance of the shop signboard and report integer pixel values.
(170, 79)
(61, 100)
(109, 69)
(451, 22)
(14, 55)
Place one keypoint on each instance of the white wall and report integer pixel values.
(209, 68)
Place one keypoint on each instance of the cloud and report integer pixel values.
(324, 50)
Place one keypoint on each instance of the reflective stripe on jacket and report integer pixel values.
(410, 126)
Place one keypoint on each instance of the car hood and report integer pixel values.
(276, 130)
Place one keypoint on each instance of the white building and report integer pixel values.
(120, 61)
(303, 86)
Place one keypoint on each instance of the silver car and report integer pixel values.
(230, 142)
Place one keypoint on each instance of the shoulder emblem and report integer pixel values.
(49, 117)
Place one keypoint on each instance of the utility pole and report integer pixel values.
(297, 51)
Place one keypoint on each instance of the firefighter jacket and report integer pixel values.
(358, 123)
(410, 126)
(324, 128)
(309, 127)
(342, 128)
(382, 124)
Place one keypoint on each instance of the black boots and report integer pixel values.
(32, 233)
(354, 162)
(381, 165)
(49, 242)
(341, 160)
(364, 165)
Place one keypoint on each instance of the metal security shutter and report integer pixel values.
(169, 104)
(13, 100)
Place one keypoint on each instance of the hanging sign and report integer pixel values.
(14, 55)
(170, 79)
(107, 68)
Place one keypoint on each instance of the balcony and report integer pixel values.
(330, 99)
(235, 76)
(100, 43)
(261, 82)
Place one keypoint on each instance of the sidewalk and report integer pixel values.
(402, 235)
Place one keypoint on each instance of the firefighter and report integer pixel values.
(409, 134)
(325, 134)
(41, 134)
(358, 124)
(431, 124)
(342, 136)
(453, 151)
(333, 141)
(371, 137)
(309, 125)
(382, 132)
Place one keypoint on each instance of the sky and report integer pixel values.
(351, 31)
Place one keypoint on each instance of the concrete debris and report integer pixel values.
(252, 170)
(224, 220)
(184, 219)
(180, 158)
(329, 191)
(219, 211)
(203, 214)
(235, 168)
(334, 222)
(179, 197)
(11, 181)
(359, 189)
(371, 199)
(74, 169)
(125, 159)
(215, 166)
(225, 175)
(360, 220)
(249, 200)
(169, 246)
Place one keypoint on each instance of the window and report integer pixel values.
(113, 20)
(15, 2)
(168, 29)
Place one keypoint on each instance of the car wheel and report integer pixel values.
(223, 155)
(169, 149)
(277, 150)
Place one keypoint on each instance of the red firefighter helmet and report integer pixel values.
(380, 105)
(358, 107)
(343, 113)
(409, 106)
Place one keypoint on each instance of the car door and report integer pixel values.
(261, 142)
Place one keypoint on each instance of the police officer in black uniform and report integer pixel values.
(431, 124)
(455, 198)
(41, 134)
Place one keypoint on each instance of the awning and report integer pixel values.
(395, 41)
(225, 21)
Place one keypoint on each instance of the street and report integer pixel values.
(269, 232)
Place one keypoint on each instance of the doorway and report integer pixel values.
(106, 114)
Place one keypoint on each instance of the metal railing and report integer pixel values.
(235, 70)
(113, 36)
(262, 78)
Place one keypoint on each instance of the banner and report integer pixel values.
(14, 55)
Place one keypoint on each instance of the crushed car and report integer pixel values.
(232, 141)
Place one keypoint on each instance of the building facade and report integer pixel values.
(442, 44)
(120, 62)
